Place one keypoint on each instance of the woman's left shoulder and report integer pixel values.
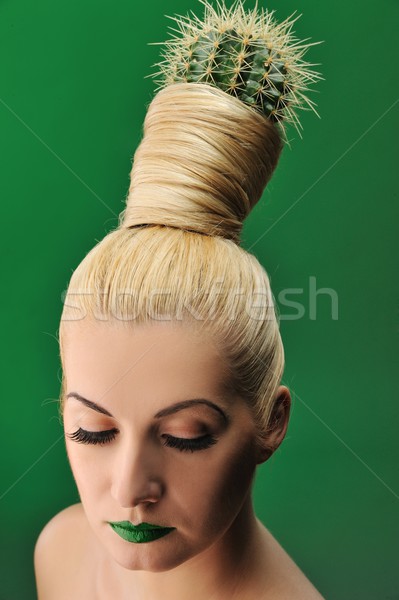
(289, 581)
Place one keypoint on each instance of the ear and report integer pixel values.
(278, 424)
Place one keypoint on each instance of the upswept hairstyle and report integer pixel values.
(201, 166)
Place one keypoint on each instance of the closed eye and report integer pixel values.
(83, 436)
(189, 444)
(93, 437)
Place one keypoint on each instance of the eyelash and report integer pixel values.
(183, 444)
(92, 437)
(193, 444)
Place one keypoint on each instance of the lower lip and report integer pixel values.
(140, 537)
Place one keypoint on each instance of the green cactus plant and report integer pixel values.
(246, 54)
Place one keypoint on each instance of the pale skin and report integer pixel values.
(218, 550)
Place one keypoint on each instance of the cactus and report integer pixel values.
(246, 54)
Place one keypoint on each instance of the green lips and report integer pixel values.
(139, 534)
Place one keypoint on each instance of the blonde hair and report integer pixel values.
(201, 166)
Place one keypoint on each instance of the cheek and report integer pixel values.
(89, 473)
(234, 477)
(214, 490)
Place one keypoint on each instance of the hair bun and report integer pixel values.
(213, 135)
(203, 162)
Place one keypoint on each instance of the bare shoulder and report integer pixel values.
(60, 546)
(289, 583)
(59, 529)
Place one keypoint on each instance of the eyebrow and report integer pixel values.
(169, 410)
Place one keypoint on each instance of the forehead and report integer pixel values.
(154, 362)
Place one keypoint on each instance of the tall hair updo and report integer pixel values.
(202, 165)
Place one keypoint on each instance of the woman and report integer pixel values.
(171, 352)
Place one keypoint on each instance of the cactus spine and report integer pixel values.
(246, 54)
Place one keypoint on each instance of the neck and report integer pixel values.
(215, 574)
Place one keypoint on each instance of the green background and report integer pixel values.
(72, 101)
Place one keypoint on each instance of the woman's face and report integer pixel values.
(167, 445)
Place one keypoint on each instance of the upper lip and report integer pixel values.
(139, 527)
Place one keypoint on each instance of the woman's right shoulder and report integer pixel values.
(55, 554)
(60, 527)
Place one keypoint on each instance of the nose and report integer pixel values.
(136, 477)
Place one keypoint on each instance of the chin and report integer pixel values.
(154, 557)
